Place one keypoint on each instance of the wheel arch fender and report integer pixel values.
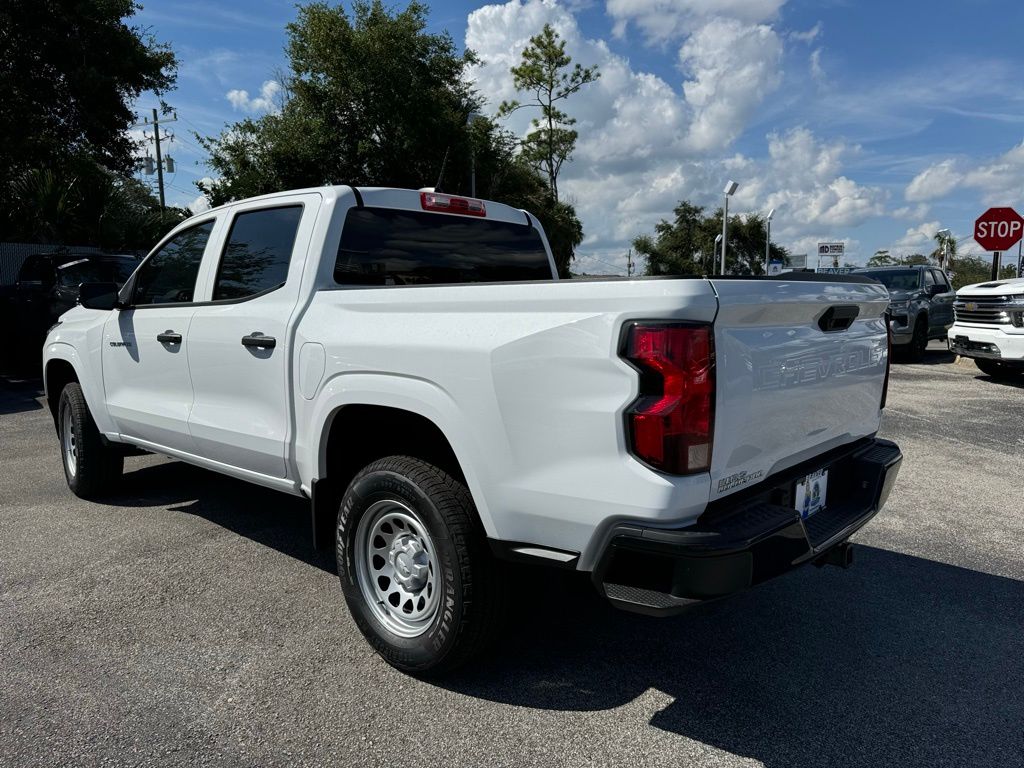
(418, 397)
(58, 356)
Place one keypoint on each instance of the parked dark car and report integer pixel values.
(47, 287)
(920, 306)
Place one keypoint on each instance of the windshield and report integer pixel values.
(897, 279)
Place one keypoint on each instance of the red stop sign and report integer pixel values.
(998, 229)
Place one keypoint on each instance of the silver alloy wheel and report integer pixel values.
(397, 568)
(70, 442)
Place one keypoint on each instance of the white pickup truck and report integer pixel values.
(989, 326)
(410, 362)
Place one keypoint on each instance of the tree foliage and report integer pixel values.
(545, 73)
(375, 99)
(686, 246)
(882, 258)
(85, 204)
(69, 72)
(967, 270)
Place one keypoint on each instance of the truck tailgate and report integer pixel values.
(792, 382)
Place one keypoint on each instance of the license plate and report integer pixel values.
(811, 493)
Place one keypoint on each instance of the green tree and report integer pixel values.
(686, 246)
(915, 260)
(372, 98)
(968, 270)
(83, 203)
(945, 246)
(882, 258)
(69, 72)
(545, 73)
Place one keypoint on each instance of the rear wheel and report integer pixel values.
(91, 467)
(999, 370)
(418, 577)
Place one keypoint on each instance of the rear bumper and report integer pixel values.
(743, 541)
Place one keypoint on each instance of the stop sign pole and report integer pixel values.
(998, 230)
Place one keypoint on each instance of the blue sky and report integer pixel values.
(875, 123)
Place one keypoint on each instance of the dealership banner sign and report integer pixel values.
(834, 251)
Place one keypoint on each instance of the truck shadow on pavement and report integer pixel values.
(276, 520)
(18, 394)
(899, 660)
(1017, 383)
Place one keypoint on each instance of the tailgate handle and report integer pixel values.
(838, 318)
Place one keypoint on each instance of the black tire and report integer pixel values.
(96, 467)
(919, 341)
(470, 607)
(997, 369)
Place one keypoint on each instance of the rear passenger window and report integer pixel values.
(383, 246)
(929, 278)
(258, 252)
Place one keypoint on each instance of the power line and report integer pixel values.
(601, 261)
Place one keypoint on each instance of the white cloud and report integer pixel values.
(912, 212)
(733, 67)
(1000, 180)
(933, 182)
(265, 102)
(199, 205)
(645, 144)
(817, 71)
(918, 238)
(803, 178)
(809, 36)
(663, 20)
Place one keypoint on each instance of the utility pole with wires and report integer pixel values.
(629, 263)
(148, 165)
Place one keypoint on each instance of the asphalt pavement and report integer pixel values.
(187, 622)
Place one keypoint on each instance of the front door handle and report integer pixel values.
(258, 340)
(169, 337)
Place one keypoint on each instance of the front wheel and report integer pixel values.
(415, 568)
(919, 341)
(997, 369)
(91, 467)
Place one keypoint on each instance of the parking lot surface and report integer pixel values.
(188, 622)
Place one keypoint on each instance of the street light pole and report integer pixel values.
(768, 239)
(730, 190)
(714, 252)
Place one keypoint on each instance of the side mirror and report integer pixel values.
(935, 290)
(98, 295)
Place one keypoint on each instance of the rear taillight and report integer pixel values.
(672, 421)
(888, 358)
(467, 206)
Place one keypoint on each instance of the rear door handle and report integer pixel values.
(169, 337)
(258, 340)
